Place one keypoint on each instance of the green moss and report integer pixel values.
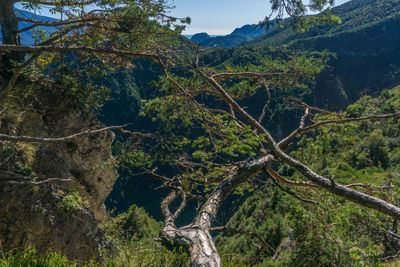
(71, 202)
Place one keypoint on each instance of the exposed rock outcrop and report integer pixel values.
(42, 215)
(34, 217)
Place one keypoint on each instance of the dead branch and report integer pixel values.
(276, 176)
(306, 106)
(7, 176)
(253, 75)
(135, 134)
(286, 190)
(339, 121)
(179, 188)
(54, 49)
(7, 159)
(373, 188)
(391, 256)
(182, 205)
(168, 216)
(56, 23)
(343, 121)
(13, 138)
(1, 111)
(264, 110)
(65, 3)
(337, 189)
(392, 234)
(19, 68)
(289, 192)
(293, 134)
(157, 176)
(19, 179)
(49, 180)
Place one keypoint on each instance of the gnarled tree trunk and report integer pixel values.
(199, 242)
(196, 236)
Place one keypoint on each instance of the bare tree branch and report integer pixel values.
(56, 23)
(342, 121)
(337, 189)
(17, 71)
(391, 256)
(339, 121)
(182, 205)
(65, 3)
(1, 111)
(7, 176)
(289, 192)
(254, 75)
(311, 108)
(169, 218)
(7, 159)
(19, 179)
(264, 110)
(25, 48)
(49, 180)
(13, 138)
(388, 187)
(157, 176)
(276, 176)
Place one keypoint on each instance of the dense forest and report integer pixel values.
(123, 143)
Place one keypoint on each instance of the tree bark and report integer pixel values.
(199, 242)
(196, 236)
(9, 35)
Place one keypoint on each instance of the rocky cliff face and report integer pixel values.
(57, 216)
(87, 160)
(35, 217)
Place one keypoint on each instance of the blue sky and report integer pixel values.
(219, 17)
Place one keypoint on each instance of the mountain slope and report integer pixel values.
(347, 77)
(334, 232)
(237, 37)
(356, 16)
(365, 47)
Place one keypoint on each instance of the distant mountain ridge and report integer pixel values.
(237, 37)
(27, 37)
(200, 37)
(366, 46)
(358, 17)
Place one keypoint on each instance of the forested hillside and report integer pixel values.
(339, 232)
(364, 60)
(123, 143)
(345, 78)
(365, 44)
(239, 36)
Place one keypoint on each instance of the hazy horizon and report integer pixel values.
(216, 17)
(223, 16)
